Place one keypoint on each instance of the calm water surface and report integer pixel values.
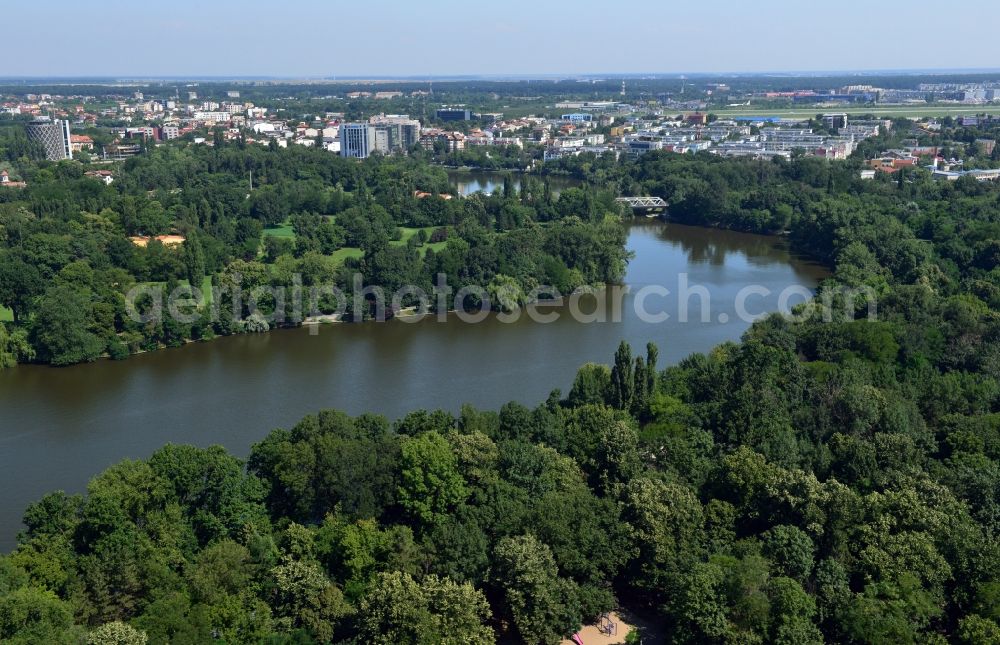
(59, 427)
(466, 182)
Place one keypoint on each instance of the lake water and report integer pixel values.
(59, 427)
(466, 182)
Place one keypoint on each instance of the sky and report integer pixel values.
(317, 38)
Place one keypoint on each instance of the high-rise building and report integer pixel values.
(357, 140)
(54, 137)
(835, 121)
(385, 134)
(402, 132)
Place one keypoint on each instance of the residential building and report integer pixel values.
(105, 176)
(215, 117)
(835, 121)
(7, 182)
(636, 146)
(452, 140)
(402, 132)
(80, 142)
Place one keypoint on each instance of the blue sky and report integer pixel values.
(303, 38)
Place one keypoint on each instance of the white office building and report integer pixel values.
(357, 140)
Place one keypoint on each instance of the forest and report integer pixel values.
(818, 481)
(67, 259)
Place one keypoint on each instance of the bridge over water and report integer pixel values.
(648, 206)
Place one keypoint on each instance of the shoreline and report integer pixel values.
(324, 320)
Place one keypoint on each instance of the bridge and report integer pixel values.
(648, 206)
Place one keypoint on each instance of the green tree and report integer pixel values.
(541, 604)
(667, 521)
(61, 330)
(194, 260)
(32, 615)
(431, 483)
(618, 456)
(305, 598)
(399, 609)
(976, 630)
(20, 283)
(622, 380)
(791, 550)
(652, 356)
(591, 385)
(116, 633)
(8, 353)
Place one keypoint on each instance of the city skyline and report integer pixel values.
(310, 39)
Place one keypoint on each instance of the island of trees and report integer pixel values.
(68, 255)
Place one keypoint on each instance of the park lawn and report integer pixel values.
(409, 232)
(437, 247)
(206, 289)
(6, 315)
(284, 230)
(347, 252)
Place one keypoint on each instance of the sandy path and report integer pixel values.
(591, 635)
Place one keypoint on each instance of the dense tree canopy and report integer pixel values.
(818, 481)
(310, 214)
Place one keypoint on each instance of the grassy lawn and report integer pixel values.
(353, 252)
(409, 232)
(889, 111)
(6, 315)
(347, 252)
(206, 290)
(284, 230)
(437, 247)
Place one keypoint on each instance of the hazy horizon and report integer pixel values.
(309, 39)
(527, 76)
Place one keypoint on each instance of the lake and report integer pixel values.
(466, 182)
(59, 427)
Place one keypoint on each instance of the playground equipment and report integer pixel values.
(607, 626)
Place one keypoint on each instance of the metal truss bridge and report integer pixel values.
(648, 206)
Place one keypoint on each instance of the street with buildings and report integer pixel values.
(117, 126)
